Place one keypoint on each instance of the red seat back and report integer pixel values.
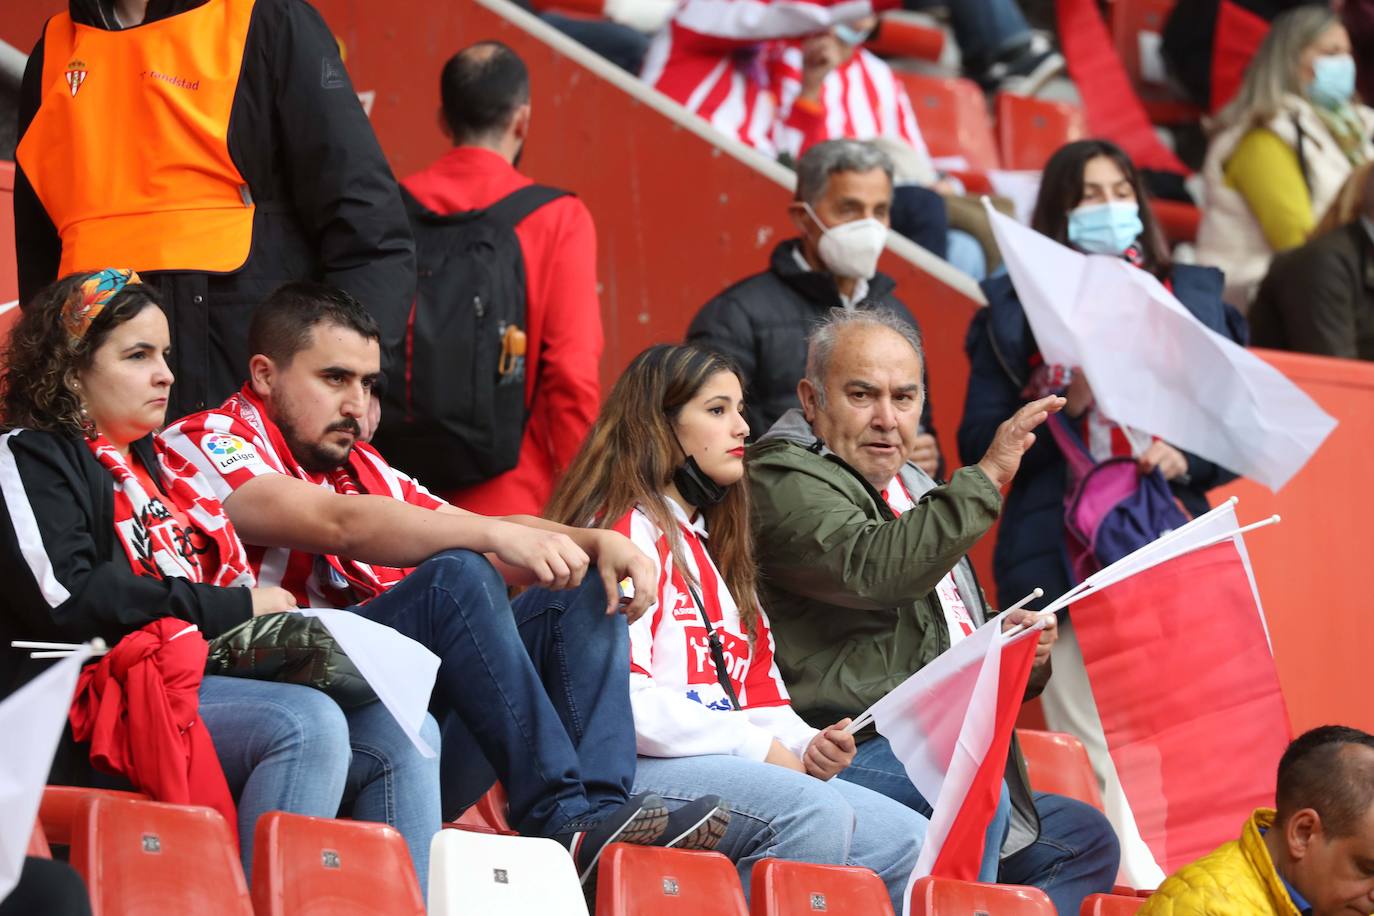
(489, 812)
(953, 117)
(782, 888)
(153, 859)
(314, 865)
(1030, 130)
(641, 880)
(1110, 905)
(947, 897)
(1059, 763)
(38, 844)
(57, 811)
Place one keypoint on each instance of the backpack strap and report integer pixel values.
(1076, 453)
(513, 209)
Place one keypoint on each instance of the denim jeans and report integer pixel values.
(779, 812)
(284, 747)
(620, 44)
(875, 767)
(536, 695)
(984, 29)
(1075, 855)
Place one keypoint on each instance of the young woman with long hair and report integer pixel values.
(663, 464)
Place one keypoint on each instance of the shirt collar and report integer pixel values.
(860, 284)
(1299, 901)
(695, 523)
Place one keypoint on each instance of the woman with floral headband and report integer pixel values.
(105, 533)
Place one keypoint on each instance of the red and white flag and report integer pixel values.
(951, 724)
(1184, 681)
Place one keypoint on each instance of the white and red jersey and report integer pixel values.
(957, 617)
(237, 442)
(861, 99)
(680, 707)
(712, 57)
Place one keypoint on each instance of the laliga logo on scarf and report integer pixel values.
(76, 75)
(226, 450)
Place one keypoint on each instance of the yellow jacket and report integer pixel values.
(1238, 878)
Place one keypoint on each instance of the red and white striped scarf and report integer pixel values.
(157, 545)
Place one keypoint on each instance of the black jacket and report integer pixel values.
(327, 203)
(1030, 547)
(762, 323)
(1319, 298)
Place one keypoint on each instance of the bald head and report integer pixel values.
(1330, 770)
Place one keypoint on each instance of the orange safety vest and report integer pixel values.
(128, 151)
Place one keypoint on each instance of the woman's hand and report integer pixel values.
(830, 751)
(272, 601)
(1164, 456)
(778, 755)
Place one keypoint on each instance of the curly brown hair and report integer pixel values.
(42, 359)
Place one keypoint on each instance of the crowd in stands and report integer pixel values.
(645, 621)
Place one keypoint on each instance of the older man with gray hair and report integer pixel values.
(865, 578)
(842, 209)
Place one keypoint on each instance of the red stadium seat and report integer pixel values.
(640, 880)
(153, 859)
(1110, 905)
(489, 812)
(1030, 130)
(1129, 20)
(1177, 220)
(953, 117)
(38, 844)
(1059, 763)
(903, 38)
(305, 866)
(947, 897)
(57, 811)
(782, 888)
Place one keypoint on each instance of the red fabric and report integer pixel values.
(961, 855)
(1113, 109)
(1189, 698)
(563, 324)
(1238, 36)
(139, 708)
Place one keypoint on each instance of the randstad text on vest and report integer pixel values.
(176, 81)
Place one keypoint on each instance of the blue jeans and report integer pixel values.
(284, 747)
(779, 812)
(1076, 853)
(620, 44)
(984, 29)
(536, 695)
(875, 767)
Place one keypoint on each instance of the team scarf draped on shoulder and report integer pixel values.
(157, 545)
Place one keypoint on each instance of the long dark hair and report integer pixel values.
(42, 358)
(630, 454)
(1061, 190)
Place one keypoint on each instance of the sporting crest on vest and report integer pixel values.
(76, 75)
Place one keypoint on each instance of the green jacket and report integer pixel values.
(849, 587)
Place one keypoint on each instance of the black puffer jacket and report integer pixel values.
(327, 203)
(762, 323)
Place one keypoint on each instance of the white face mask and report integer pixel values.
(851, 250)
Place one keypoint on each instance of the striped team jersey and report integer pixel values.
(712, 57)
(680, 707)
(861, 99)
(237, 442)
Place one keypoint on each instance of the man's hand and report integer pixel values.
(925, 454)
(272, 600)
(1014, 437)
(1164, 456)
(617, 558)
(1047, 635)
(830, 751)
(821, 54)
(552, 558)
(782, 757)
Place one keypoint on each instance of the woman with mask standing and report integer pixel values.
(662, 465)
(1091, 199)
(1282, 148)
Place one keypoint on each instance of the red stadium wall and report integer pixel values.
(681, 214)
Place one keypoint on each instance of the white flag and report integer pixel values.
(1155, 367)
(32, 720)
(400, 670)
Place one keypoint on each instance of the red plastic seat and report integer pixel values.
(315, 865)
(782, 888)
(1110, 905)
(57, 811)
(1059, 763)
(1129, 19)
(639, 880)
(153, 859)
(947, 897)
(38, 844)
(489, 812)
(1029, 130)
(1177, 220)
(953, 117)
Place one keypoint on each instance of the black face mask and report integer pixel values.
(696, 486)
